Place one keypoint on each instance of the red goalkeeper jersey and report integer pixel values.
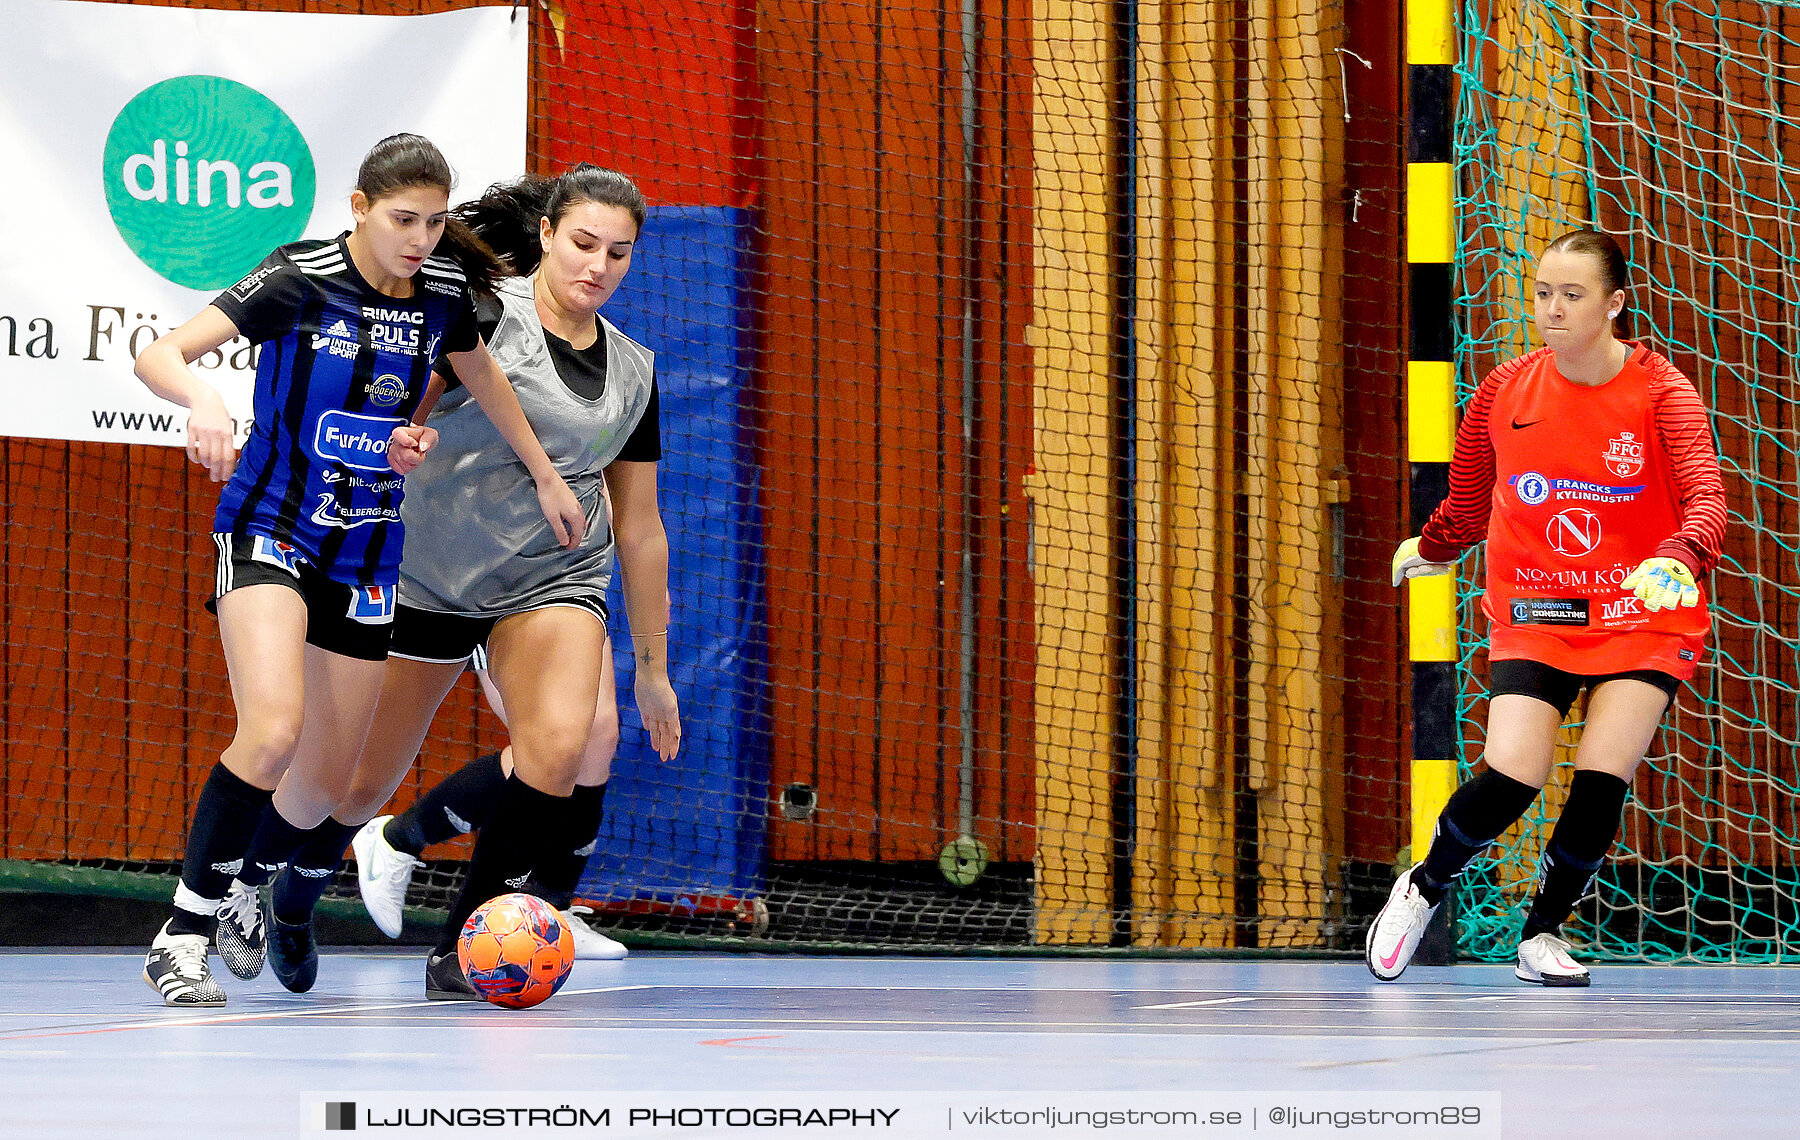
(1572, 487)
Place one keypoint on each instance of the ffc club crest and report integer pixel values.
(1624, 455)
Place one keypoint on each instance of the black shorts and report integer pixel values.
(449, 639)
(1559, 689)
(353, 621)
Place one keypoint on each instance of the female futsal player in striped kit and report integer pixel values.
(1588, 468)
(308, 526)
(482, 571)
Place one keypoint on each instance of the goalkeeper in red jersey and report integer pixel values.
(1588, 468)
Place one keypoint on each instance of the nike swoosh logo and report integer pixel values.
(1518, 426)
(1394, 957)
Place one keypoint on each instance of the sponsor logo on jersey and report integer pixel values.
(1621, 609)
(1574, 533)
(371, 605)
(394, 329)
(1562, 578)
(395, 338)
(379, 485)
(386, 390)
(338, 340)
(1532, 488)
(203, 176)
(355, 441)
(329, 513)
(444, 287)
(1549, 611)
(249, 285)
(275, 553)
(396, 316)
(1581, 490)
(1624, 455)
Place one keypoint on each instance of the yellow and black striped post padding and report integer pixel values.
(1430, 419)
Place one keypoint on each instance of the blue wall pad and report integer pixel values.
(695, 829)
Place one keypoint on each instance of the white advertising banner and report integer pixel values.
(153, 156)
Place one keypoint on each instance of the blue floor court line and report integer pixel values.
(88, 1050)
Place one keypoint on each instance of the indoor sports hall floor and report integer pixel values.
(86, 1049)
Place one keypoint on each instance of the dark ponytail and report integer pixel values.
(400, 162)
(1615, 270)
(506, 217)
(479, 263)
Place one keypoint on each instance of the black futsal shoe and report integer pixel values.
(242, 936)
(176, 969)
(445, 981)
(293, 954)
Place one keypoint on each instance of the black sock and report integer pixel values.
(459, 804)
(271, 847)
(559, 871)
(311, 870)
(507, 848)
(1584, 834)
(225, 817)
(1477, 814)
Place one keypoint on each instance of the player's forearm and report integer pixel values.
(1461, 520)
(165, 372)
(644, 562)
(1686, 437)
(434, 391)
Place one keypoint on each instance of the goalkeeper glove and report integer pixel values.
(1662, 584)
(1408, 563)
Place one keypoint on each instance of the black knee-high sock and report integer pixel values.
(1477, 814)
(566, 854)
(225, 817)
(271, 847)
(1584, 834)
(459, 804)
(508, 846)
(311, 870)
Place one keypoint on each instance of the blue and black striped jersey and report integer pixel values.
(340, 367)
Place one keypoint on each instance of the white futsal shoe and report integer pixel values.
(176, 970)
(241, 936)
(1545, 960)
(382, 875)
(590, 944)
(1395, 933)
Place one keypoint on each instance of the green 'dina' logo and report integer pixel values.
(204, 176)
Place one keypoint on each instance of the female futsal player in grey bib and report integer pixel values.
(497, 555)
(480, 574)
